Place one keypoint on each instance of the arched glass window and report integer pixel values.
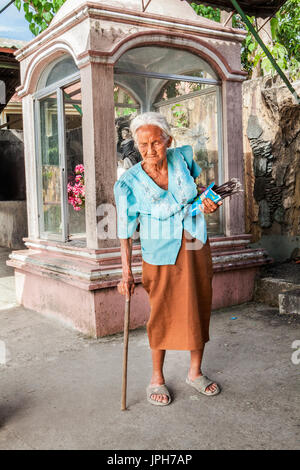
(186, 89)
(62, 69)
(58, 120)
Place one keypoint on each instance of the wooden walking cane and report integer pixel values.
(125, 351)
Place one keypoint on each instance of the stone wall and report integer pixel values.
(271, 126)
(13, 223)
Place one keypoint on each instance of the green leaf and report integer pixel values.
(32, 28)
(28, 16)
(207, 11)
(274, 27)
(44, 26)
(266, 65)
(48, 6)
(56, 4)
(47, 16)
(256, 60)
(18, 4)
(38, 20)
(251, 47)
(282, 64)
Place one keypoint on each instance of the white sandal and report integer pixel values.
(158, 390)
(201, 383)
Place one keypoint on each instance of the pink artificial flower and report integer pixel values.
(76, 192)
(79, 168)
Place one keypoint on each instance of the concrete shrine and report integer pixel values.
(97, 65)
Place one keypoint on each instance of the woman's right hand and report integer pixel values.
(126, 286)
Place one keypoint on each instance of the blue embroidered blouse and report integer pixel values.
(162, 213)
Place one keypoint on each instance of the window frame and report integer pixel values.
(37, 97)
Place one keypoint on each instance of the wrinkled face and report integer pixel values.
(152, 144)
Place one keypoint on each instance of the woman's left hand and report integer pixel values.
(209, 206)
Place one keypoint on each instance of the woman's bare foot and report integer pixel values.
(155, 382)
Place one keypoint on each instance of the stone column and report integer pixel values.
(233, 155)
(99, 154)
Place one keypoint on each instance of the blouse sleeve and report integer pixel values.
(194, 168)
(127, 210)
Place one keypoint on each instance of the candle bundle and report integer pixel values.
(229, 188)
(215, 193)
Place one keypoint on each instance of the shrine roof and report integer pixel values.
(177, 9)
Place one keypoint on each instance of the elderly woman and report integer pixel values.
(177, 264)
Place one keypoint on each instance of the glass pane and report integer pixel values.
(190, 107)
(50, 168)
(165, 60)
(175, 88)
(125, 104)
(149, 90)
(74, 158)
(194, 121)
(126, 108)
(62, 69)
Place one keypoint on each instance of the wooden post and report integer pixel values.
(125, 353)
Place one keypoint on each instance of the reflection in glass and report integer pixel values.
(184, 88)
(126, 108)
(125, 104)
(165, 60)
(51, 186)
(74, 151)
(176, 88)
(194, 121)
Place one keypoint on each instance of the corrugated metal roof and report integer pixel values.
(12, 43)
(258, 8)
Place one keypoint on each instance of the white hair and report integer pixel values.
(153, 119)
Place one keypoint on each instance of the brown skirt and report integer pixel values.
(180, 297)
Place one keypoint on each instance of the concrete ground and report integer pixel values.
(61, 390)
